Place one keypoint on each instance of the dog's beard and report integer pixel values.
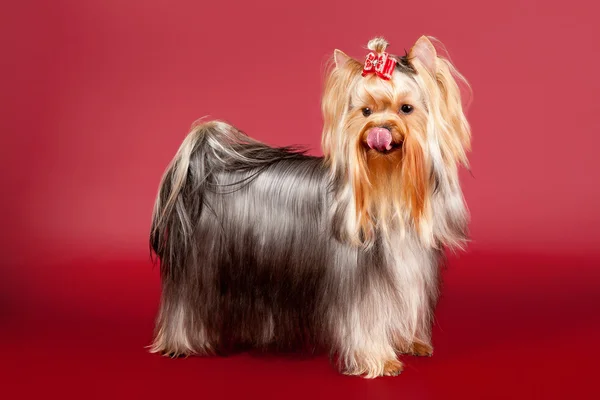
(390, 185)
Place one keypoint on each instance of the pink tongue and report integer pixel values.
(379, 139)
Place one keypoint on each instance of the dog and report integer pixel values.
(270, 248)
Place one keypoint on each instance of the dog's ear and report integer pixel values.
(340, 58)
(336, 101)
(424, 52)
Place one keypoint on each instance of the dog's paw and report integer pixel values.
(375, 369)
(393, 368)
(422, 350)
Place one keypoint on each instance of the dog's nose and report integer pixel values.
(379, 139)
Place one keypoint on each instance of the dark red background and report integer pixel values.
(96, 96)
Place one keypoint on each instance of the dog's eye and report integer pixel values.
(367, 111)
(406, 108)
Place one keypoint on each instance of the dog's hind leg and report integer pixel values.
(178, 332)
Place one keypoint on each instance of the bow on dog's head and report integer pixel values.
(380, 64)
(395, 132)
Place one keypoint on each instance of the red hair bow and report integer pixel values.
(380, 64)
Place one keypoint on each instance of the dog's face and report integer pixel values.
(387, 123)
(387, 136)
(382, 113)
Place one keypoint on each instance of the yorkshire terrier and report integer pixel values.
(269, 248)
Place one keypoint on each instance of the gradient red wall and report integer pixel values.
(97, 95)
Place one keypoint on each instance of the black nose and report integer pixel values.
(388, 127)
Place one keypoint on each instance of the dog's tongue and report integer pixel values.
(379, 139)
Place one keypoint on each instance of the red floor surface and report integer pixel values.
(508, 326)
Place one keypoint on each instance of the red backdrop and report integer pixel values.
(97, 96)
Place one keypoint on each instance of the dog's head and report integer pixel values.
(394, 128)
